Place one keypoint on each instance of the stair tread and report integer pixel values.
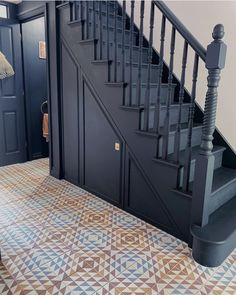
(143, 65)
(154, 85)
(222, 177)
(184, 126)
(163, 105)
(195, 152)
(153, 106)
(221, 226)
(151, 133)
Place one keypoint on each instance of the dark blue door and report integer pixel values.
(12, 117)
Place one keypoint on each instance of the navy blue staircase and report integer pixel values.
(137, 86)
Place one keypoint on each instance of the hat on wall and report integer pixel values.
(6, 69)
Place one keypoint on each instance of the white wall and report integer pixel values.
(200, 17)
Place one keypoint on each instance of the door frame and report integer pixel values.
(28, 15)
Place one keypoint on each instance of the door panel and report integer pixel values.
(69, 72)
(102, 163)
(12, 116)
(11, 138)
(8, 85)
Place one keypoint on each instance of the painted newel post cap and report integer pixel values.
(216, 51)
(218, 32)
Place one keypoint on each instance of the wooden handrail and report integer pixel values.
(180, 27)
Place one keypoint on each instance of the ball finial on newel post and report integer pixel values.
(218, 32)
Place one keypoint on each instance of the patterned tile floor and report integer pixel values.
(58, 239)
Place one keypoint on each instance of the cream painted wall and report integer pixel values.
(200, 17)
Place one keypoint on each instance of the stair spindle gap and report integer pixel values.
(82, 18)
(71, 11)
(115, 40)
(100, 30)
(166, 130)
(139, 78)
(131, 53)
(94, 19)
(87, 19)
(188, 150)
(147, 93)
(181, 100)
(123, 40)
(157, 112)
(94, 30)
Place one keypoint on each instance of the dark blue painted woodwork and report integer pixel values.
(12, 115)
(157, 190)
(35, 80)
(102, 162)
(70, 126)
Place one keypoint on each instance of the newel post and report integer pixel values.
(215, 62)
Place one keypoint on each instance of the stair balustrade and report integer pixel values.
(213, 58)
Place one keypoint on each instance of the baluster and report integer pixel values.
(202, 188)
(75, 10)
(107, 24)
(123, 40)
(100, 29)
(159, 80)
(108, 40)
(131, 53)
(87, 19)
(115, 41)
(81, 10)
(157, 114)
(139, 79)
(188, 150)
(147, 93)
(94, 20)
(170, 79)
(181, 100)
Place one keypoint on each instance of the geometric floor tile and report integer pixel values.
(56, 238)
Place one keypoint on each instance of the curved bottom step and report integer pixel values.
(215, 241)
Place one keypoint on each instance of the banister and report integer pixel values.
(180, 27)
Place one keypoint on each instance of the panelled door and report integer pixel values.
(12, 115)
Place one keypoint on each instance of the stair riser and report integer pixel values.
(153, 94)
(111, 36)
(144, 74)
(90, 6)
(119, 23)
(223, 195)
(174, 113)
(127, 53)
(218, 162)
(196, 140)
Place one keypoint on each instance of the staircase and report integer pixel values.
(166, 133)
